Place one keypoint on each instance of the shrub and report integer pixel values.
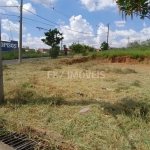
(104, 46)
(78, 48)
(54, 52)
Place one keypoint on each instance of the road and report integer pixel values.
(15, 61)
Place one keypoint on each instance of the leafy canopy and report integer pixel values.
(53, 37)
(134, 7)
(77, 48)
(104, 46)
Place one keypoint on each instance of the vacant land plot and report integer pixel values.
(49, 95)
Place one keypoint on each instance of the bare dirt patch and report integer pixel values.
(121, 59)
(74, 60)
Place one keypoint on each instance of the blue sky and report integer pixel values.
(71, 17)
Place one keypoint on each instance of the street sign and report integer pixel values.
(9, 46)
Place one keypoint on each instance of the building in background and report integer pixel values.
(9, 46)
(43, 50)
(28, 49)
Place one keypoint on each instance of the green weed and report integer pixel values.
(136, 83)
(46, 68)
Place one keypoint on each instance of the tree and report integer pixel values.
(78, 48)
(133, 44)
(54, 52)
(53, 38)
(104, 46)
(134, 7)
(64, 46)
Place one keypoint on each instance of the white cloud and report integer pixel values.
(117, 38)
(8, 25)
(120, 23)
(27, 6)
(80, 25)
(44, 2)
(93, 5)
(60, 22)
(4, 37)
(33, 42)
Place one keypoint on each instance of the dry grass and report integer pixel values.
(119, 116)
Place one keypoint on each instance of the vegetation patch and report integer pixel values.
(25, 96)
(5, 67)
(128, 107)
(122, 86)
(118, 107)
(46, 68)
(123, 71)
(14, 55)
(136, 83)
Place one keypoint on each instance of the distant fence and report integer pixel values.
(9, 46)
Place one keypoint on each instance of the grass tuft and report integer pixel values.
(123, 71)
(122, 86)
(46, 68)
(129, 107)
(5, 67)
(25, 96)
(136, 83)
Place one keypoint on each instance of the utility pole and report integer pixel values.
(78, 40)
(128, 40)
(61, 44)
(20, 35)
(1, 72)
(107, 32)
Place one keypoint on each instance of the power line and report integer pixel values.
(52, 22)
(122, 36)
(15, 4)
(9, 27)
(9, 15)
(20, 34)
(9, 6)
(1, 73)
(53, 8)
(42, 28)
(38, 21)
(56, 23)
(27, 19)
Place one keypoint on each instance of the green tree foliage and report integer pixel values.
(104, 46)
(148, 42)
(133, 44)
(137, 44)
(89, 48)
(54, 52)
(134, 7)
(64, 46)
(53, 38)
(77, 48)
